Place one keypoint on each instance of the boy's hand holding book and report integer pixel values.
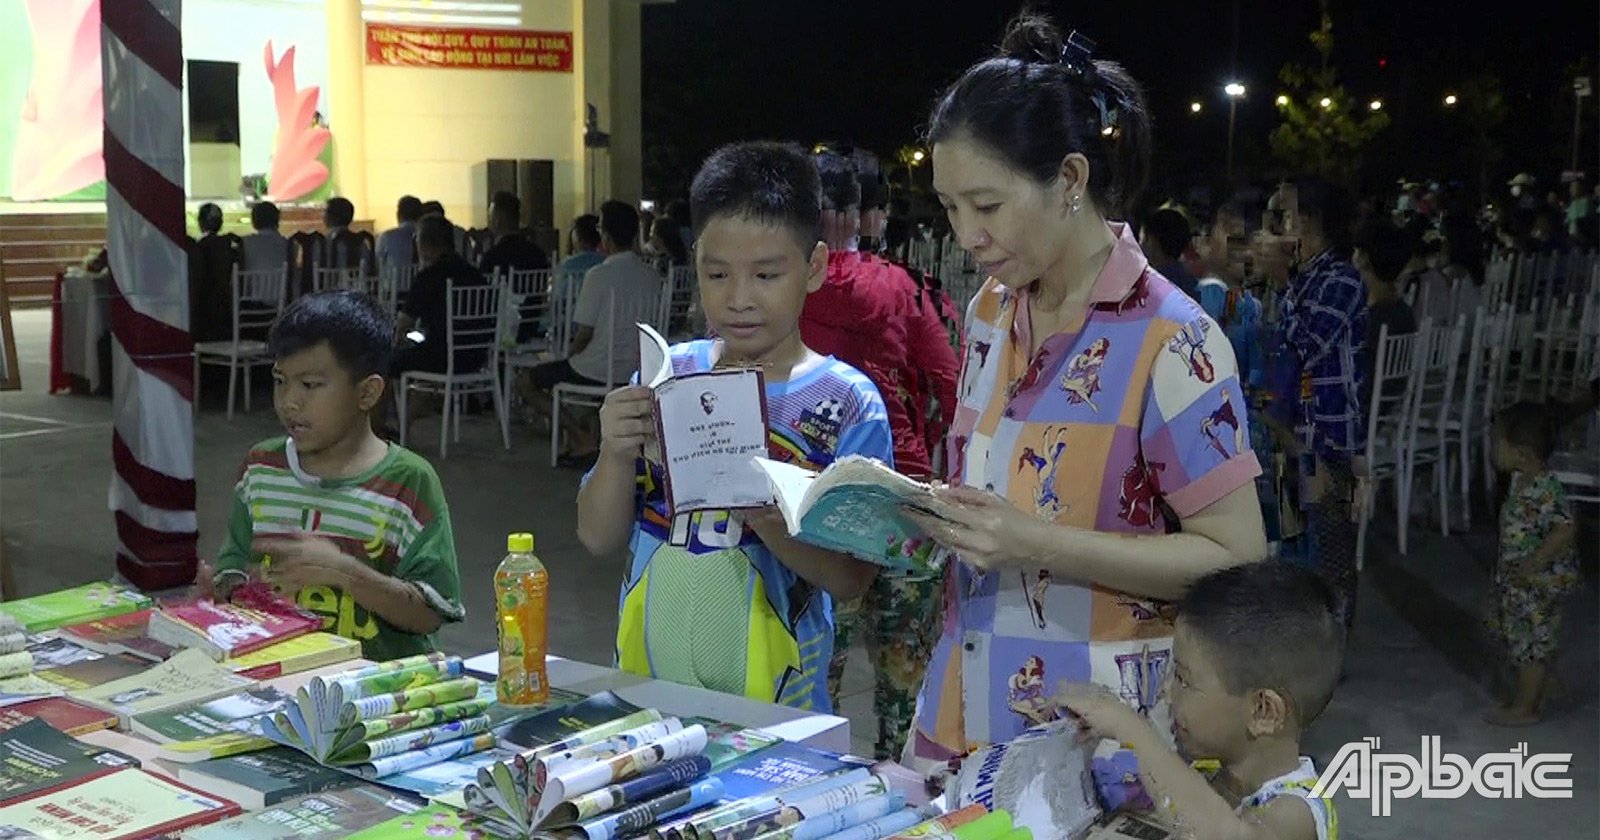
(627, 423)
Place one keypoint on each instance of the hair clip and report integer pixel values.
(1078, 55)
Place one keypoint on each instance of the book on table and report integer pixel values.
(188, 677)
(36, 758)
(429, 823)
(88, 673)
(66, 715)
(50, 653)
(128, 633)
(616, 777)
(391, 717)
(263, 778)
(129, 804)
(327, 815)
(225, 630)
(213, 728)
(73, 606)
(296, 655)
(854, 506)
(708, 426)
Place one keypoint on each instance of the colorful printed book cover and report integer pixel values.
(302, 653)
(36, 758)
(106, 635)
(854, 507)
(329, 815)
(211, 717)
(264, 778)
(67, 716)
(124, 805)
(189, 677)
(49, 654)
(435, 822)
(80, 676)
(74, 606)
(727, 743)
(780, 765)
(226, 630)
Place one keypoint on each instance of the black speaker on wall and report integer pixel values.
(534, 183)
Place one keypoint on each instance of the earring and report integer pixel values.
(1077, 204)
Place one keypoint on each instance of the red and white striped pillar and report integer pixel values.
(152, 490)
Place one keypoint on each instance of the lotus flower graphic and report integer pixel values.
(296, 172)
(57, 149)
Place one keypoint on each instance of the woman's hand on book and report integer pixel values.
(986, 530)
(627, 422)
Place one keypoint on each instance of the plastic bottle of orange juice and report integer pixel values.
(521, 593)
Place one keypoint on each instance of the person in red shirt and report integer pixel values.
(873, 316)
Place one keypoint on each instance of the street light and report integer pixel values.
(1283, 100)
(1326, 102)
(918, 155)
(1234, 90)
(1194, 107)
(1376, 104)
(1449, 100)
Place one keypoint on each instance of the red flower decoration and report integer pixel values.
(295, 169)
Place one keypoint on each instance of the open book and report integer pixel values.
(853, 506)
(390, 717)
(708, 427)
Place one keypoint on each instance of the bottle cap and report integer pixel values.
(519, 543)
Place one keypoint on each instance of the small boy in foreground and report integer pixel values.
(1255, 658)
(355, 529)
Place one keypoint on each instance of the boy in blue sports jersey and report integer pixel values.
(729, 601)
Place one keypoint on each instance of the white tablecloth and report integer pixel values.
(85, 320)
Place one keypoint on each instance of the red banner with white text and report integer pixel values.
(466, 48)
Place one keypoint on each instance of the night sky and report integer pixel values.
(866, 72)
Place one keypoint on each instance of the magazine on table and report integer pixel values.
(391, 717)
(708, 427)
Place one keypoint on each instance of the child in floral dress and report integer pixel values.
(1538, 565)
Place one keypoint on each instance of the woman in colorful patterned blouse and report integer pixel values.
(1099, 457)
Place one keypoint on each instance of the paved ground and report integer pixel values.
(1416, 664)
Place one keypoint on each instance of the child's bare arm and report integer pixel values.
(393, 600)
(302, 560)
(606, 504)
(1178, 788)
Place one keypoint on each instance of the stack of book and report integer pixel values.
(52, 785)
(259, 644)
(328, 815)
(15, 660)
(629, 769)
(226, 631)
(385, 720)
(73, 606)
(188, 677)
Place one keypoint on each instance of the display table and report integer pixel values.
(824, 732)
(84, 322)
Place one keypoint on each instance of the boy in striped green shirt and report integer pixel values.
(354, 528)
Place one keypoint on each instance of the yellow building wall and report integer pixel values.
(426, 127)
